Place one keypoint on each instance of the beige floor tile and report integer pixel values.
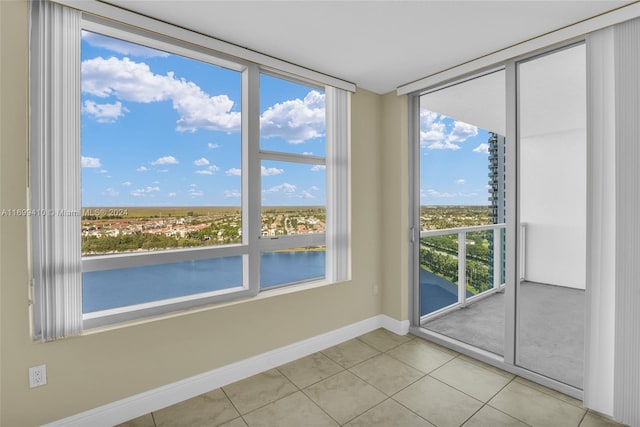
(387, 374)
(383, 340)
(211, 409)
(259, 390)
(309, 370)
(422, 355)
(536, 408)
(553, 393)
(471, 379)
(344, 396)
(438, 403)
(491, 417)
(592, 419)
(294, 410)
(350, 353)
(143, 421)
(238, 422)
(389, 414)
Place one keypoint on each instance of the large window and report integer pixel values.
(293, 164)
(185, 178)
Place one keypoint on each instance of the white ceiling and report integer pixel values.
(379, 45)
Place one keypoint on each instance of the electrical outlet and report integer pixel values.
(37, 376)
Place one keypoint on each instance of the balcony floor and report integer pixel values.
(551, 329)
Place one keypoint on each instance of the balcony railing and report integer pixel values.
(459, 265)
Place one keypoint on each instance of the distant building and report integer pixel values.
(497, 193)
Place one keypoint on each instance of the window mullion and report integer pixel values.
(139, 259)
(291, 157)
(251, 179)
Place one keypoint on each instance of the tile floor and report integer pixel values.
(379, 379)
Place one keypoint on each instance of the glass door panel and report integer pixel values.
(462, 211)
(552, 214)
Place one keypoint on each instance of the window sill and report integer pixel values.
(266, 294)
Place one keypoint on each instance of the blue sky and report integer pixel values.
(453, 161)
(160, 129)
(164, 130)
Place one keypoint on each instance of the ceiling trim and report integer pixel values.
(579, 29)
(124, 16)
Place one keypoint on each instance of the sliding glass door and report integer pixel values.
(500, 215)
(462, 211)
(551, 214)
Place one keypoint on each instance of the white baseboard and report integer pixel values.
(398, 327)
(161, 397)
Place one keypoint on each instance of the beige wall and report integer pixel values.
(101, 367)
(395, 206)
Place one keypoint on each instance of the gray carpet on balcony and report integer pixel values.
(551, 332)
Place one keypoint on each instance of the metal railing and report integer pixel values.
(462, 232)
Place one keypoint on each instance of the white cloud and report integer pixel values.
(126, 184)
(232, 193)
(209, 171)
(460, 181)
(285, 188)
(314, 188)
(270, 171)
(172, 194)
(121, 46)
(90, 162)
(431, 129)
(482, 148)
(103, 171)
(133, 81)
(166, 160)
(104, 113)
(434, 193)
(196, 193)
(234, 172)
(201, 162)
(318, 168)
(307, 195)
(212, 146)
(142, 169)
(295, 120)
(443, 145)
(462, 131)
(144, 191)
(110, 192)
(435, 136)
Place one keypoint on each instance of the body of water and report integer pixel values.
(108, 289)
(436, 292)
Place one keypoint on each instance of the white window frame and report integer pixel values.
(57, 260)
(268, 244)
